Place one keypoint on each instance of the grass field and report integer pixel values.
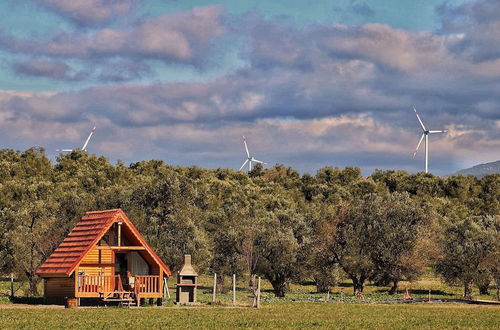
(298, 315)
(302, 308)
(303, 292)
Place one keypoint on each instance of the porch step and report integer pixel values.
(125, 298)
(117, 296)
(118, 299)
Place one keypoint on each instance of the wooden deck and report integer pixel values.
(111, 287)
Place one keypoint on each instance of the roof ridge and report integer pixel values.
(104, 211)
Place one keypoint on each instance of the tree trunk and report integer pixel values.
(253, 288)
(496, 280)
(483, 287)
(220, 283)
(33, 285)
(359, 285)
(394, 288)
(251, 281)
(322, 286)
(468, 290)
(279, 290)
(279, 287)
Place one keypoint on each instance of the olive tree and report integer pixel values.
(281, 244)
(468, 247)
(376, 237)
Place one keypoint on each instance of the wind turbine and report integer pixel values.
(84, 148)
(425, 135)
(249, 159)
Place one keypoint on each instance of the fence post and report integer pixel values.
(234, 289)
(12, 285)
(215, 286)
(165, 287)
(258, 293)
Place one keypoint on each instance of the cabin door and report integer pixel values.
(121, 267)
(138, 266)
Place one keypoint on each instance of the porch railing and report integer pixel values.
(99, 283)
(147, 283)
(112, 283)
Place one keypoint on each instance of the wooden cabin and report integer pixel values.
(104, 257)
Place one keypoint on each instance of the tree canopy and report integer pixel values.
(271, 222)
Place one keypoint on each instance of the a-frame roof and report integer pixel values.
(85, 235)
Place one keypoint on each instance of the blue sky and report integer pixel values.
(310, 83)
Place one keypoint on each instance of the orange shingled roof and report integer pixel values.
(86, 234)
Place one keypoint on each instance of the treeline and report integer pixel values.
(275, 223)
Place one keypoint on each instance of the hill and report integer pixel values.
(482, 169)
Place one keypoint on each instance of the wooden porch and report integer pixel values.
(112, 288)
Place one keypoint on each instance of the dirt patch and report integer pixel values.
(4, 306)
(458, 306)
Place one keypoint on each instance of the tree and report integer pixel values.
(468, 248)
(398, 240)
(490, 194)
(483, 280)
(376, 237)
(225, 216)
(321, 264)
(29, 207)
(273, 222)
(393, 180)
(323, 268)
(282, 243)
(164, 209)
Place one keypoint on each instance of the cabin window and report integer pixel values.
(111, 236)
(104, 239)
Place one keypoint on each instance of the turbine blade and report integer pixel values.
(88, 139)
(439, 131)
(418, 145)
(246, 161)
(418, 117)
(246, 148)
(64, 150)
(258, 161)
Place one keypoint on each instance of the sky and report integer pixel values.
(310, 83)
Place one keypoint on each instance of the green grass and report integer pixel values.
(297, 292)
(342, 292)
(302, 308)
(20, 288)
(285, 315)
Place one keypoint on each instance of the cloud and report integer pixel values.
(122, 70)
(378, 44)
(477, 24)
(362, 9)
(89, 12)
(41, 67)
(184, 37)
(306, 96)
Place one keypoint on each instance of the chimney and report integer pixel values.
(187, 268)
(187, 281)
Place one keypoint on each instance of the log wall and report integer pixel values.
(59, 287)
(98, 261)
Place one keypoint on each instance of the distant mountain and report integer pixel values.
(482, 169)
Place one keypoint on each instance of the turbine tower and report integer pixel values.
(425, 135)
(249, 159)
(84, 148)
